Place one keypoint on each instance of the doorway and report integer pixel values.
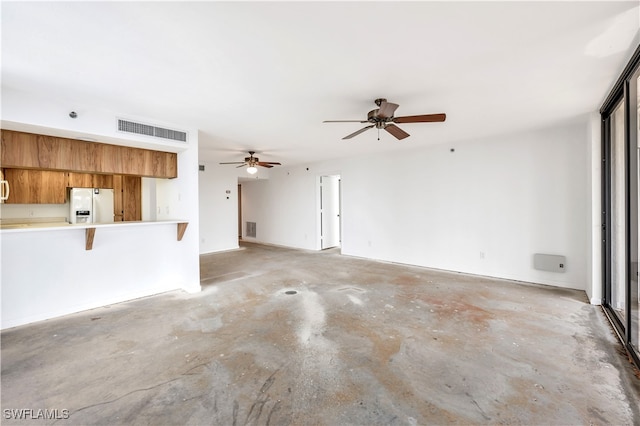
(330, 212)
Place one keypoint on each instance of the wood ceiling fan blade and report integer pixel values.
(235, 162)
(387, 109)
(265, 163)
(358, 132)
(426, 118)
(396, 131)
(268, 166)
(345, 121)
(244, 164)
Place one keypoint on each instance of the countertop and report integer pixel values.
(10, 226)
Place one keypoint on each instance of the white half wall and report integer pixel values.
(48, 273)
(484, 208)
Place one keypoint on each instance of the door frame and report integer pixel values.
(319, 230)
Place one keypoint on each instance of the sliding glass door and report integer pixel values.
(621, 179)
(617, 228)
(634, 123)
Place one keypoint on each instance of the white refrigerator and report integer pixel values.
(90, 205)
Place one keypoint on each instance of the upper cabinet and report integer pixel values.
(36, 186)
(88, 180)
(32, 151)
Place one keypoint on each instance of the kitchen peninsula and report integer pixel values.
(52, 268)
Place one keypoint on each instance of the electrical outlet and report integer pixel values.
(481, 255)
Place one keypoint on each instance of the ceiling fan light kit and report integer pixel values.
(382, 118)
(252, 162)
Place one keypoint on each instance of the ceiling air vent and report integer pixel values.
(156, 132)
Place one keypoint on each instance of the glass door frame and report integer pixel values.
(625, 90)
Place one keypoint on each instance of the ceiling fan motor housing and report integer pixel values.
(372, 117)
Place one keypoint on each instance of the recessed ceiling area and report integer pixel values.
(264, 75)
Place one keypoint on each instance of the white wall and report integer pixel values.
(284, 208)
(218, 209)
(177, 199)
(594, 251)
(484, 209)
(32, 113)
(20, 211)
(149, 202)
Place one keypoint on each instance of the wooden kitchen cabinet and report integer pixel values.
(102, 181)
(32, 151)
(127, 198)
(131, 199)
(89, 180)
(79, 180)
(36, 186)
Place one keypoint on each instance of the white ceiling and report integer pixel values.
(264, 75)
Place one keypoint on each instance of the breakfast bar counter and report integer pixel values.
(90, 228)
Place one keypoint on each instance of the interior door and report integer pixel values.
(330, 211)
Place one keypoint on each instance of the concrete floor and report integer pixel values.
(360, 342)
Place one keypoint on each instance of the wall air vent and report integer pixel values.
(251, 229)
(148, 130)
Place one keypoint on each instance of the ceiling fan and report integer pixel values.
(252, 162)
(382, 118)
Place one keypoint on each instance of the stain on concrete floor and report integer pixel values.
(360, 342)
